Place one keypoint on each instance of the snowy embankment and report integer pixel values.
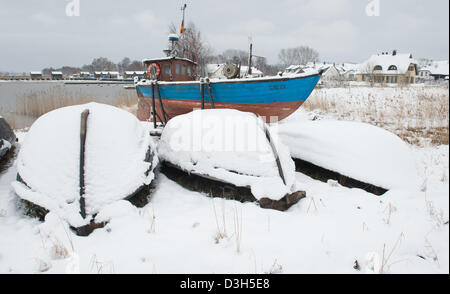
(179, 231)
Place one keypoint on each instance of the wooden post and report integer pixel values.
(83, 132)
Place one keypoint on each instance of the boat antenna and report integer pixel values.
(183, 8)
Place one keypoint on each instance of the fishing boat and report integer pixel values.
(172, 88)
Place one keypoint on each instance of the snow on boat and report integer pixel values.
(7, 138)
(355, 154)
(230, 154)
(76, 160)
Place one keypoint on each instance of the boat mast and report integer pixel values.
(249, 71)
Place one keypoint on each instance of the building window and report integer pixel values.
(183, 69)
(411, 68)
(392, 79)
(167, 70)
(392, 67)
(189, 70)
(377, 67)
(177, 68)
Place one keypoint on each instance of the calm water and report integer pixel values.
(21, 102)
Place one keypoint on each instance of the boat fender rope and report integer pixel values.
(202, 92)
(153, 105)
(163, 112)
(211, 100)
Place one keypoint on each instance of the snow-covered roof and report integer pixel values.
(344, 68)
(135, 72)
(56, 73)
(166, 58)
(85, 73)
(310, 66)
(106, 73)
(437, 68)
(399, 61)
(35, 73)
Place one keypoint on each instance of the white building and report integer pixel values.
(388, 68)
(436, 70)
(348, 71)
(329, 70)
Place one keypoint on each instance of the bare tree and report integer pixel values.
(232, 56)
(191, 44)
(136, 65)
(423, 62)
(298, 55)
(368, 72)
(124, 64)
(99, 64)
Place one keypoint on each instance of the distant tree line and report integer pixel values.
(100, 64)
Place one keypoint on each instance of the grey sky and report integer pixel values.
(37, 33)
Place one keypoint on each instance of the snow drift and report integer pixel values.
(229, 146)
(357, 150)
(119, 160)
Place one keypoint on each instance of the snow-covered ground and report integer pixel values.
(179, 231)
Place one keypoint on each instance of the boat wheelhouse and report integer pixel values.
(171, 68)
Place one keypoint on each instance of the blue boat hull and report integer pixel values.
(268, 97)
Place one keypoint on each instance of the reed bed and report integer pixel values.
(419, 115)
(35, 103)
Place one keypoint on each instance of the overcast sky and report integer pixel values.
(35, 34)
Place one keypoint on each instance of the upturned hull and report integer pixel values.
(271, 98)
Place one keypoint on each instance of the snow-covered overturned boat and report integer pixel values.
(7, 138)
(76, 160)
(356, 155)
(230, 154)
